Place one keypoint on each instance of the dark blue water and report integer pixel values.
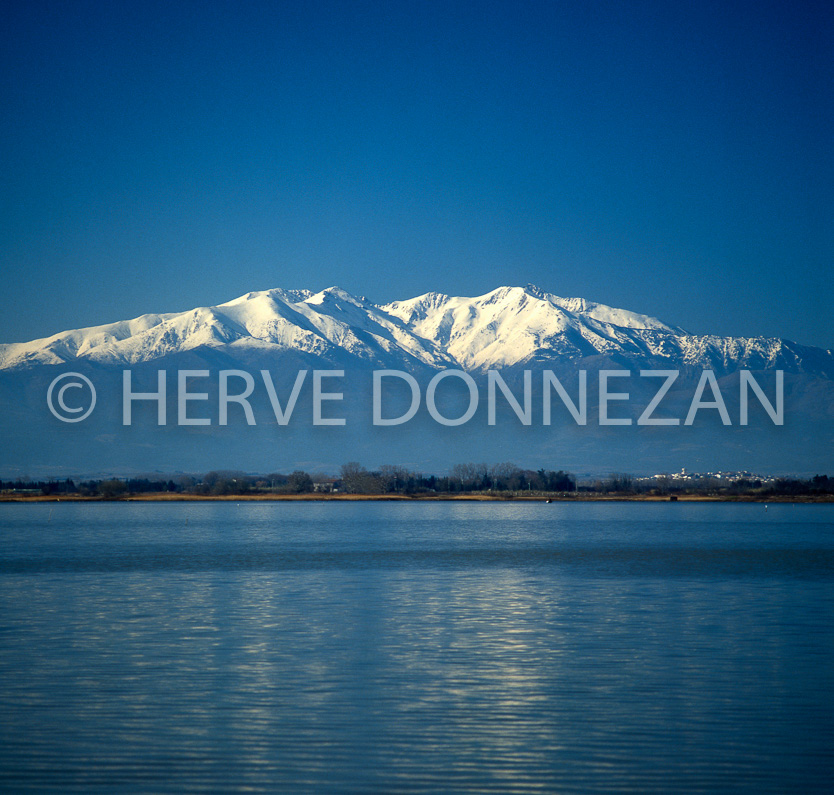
(421, 647)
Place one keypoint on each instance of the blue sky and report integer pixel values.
(670, 158)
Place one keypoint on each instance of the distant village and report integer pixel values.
(709, 479)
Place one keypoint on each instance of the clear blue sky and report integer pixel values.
(674, 158)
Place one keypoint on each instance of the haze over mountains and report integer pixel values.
(511, 329)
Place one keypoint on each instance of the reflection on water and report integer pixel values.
(422, 647)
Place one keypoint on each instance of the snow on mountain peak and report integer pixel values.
(336, 294)
(508, 326)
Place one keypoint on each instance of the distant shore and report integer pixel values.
(318, 497)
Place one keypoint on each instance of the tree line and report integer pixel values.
(462, 478)
(353, 478)
(468, 478)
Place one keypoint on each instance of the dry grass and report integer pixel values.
(581, 497)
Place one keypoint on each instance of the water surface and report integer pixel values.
(416, 647)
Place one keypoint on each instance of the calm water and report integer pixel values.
(382, 647)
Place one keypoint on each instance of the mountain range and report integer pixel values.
(510, 327)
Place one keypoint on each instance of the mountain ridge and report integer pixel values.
(508, 327)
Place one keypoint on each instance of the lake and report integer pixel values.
(416, 647)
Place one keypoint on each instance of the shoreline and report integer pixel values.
(313, 497)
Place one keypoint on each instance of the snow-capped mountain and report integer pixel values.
(511, 328)
(506, 328)
(514, 326)
(321, 324)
